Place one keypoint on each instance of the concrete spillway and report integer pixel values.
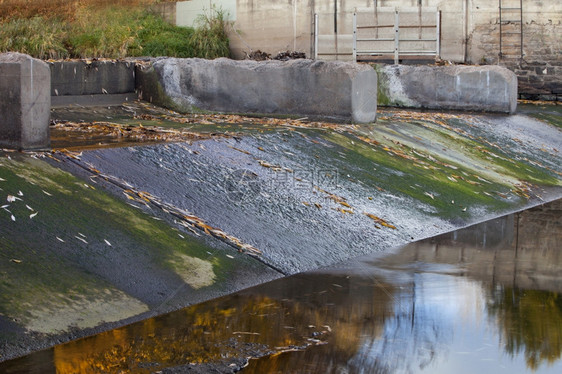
(304, 194)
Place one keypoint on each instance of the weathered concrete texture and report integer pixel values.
(481, 88)
(338, 90)
(83, 77)
(92, 100)
(25, 102)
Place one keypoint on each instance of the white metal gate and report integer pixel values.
(394, 36)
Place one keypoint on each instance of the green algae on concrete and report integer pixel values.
(436, 160)
(73, 256)
(545, 111)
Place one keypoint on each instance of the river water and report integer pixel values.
(487, 298)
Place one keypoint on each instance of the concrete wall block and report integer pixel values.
(92, 77)
(482, 88)
(25, 107)
(339, 90)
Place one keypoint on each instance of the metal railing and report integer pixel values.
(399, 42)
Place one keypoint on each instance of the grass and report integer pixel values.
(65, 9)
(102, 28)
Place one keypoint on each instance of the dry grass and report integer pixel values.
(65, 9)
(55, 29)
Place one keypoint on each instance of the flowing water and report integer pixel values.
(487, 298)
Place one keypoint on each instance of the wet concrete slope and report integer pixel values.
(75, 260)
(309, 195)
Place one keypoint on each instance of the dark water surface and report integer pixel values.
(484, 299)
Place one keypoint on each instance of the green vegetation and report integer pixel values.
(111, 31)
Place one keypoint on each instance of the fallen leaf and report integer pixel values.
(16, 261)
(81, 239)
(380, 221)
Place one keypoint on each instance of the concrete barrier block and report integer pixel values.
(97, 77)
(338, 90)
(25, 102)
(479, 88)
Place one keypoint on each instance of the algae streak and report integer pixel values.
(74, 256)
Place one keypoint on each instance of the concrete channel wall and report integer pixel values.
(25, 102)
(338, 90)
(478, 88)
(89, 82)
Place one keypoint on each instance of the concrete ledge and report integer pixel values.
(25, 104)
(97, 77)
(479, 88)
(92, 100)
(339, 90)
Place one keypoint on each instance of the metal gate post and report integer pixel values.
(355, 37)
(438, 35)
(396, 37)
(500, 11)
(316, 36)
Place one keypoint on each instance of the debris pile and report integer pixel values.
(258, 56)
(289, 55)
(281, 56)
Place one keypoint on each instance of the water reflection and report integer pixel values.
(488, 298)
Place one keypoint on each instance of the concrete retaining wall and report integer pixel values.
(338, 90)
(87, 82)
(25, 102)
(84, 77)
(479, 88)
(469, 31)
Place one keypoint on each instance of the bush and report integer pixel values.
(156, 37)
(210, 39)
